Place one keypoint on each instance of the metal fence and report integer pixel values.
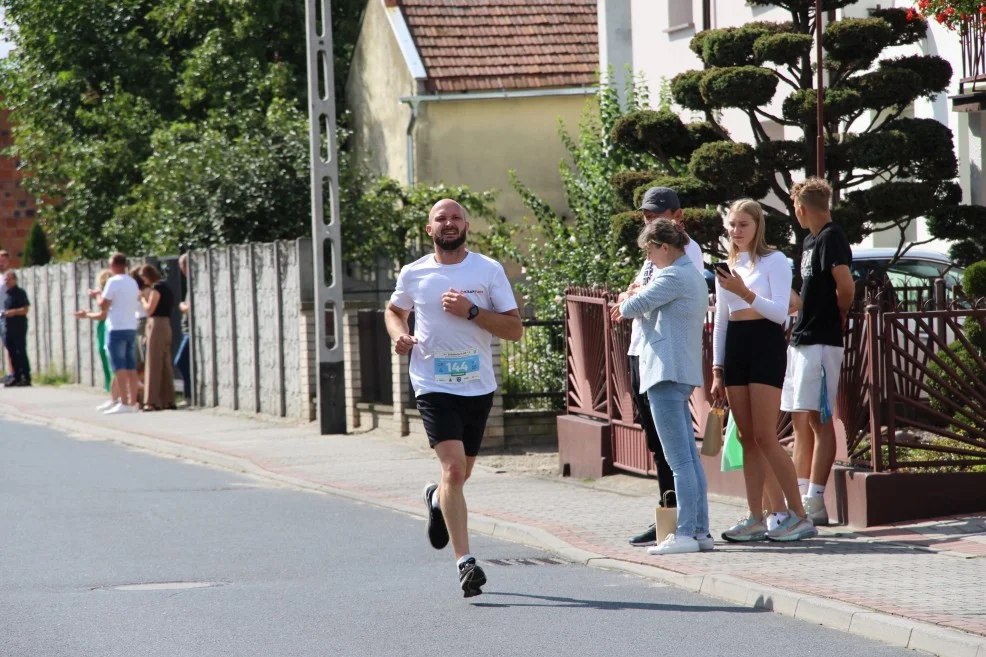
(376, 367)
(534, 367)
(912, 388)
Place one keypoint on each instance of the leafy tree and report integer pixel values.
(887, 172)
(121, 107)
(36, 251)
(597, 244)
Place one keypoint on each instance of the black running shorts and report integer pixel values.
(756, 352)
(455, 417)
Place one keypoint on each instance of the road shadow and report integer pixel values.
(528, 600)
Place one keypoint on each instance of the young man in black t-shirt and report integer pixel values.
(814, 359)
(14, 313)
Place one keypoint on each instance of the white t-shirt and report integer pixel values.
(124, 297)
(694, 253)
(453, 354)
(770, 279)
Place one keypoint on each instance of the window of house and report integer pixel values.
(679, 13)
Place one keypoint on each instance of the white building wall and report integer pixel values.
(660, 51)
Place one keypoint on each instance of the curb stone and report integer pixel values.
(860, 621)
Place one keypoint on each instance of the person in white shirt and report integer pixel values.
(753, 295)
(656, 203)
(120, 302)
(460, 301)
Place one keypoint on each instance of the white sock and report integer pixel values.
(465, 557)
(803, 486)
(815, 489)
(434, 500)
(775, 519)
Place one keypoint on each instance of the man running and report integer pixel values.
(460, 301)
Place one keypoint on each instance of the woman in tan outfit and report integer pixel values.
(159, 378)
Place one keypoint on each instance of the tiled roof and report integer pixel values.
(488, 45)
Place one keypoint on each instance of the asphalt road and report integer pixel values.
(295, 574)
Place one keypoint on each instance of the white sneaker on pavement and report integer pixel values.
(815, 508)
(675, 544)
(706, 543)
(105, 406)
(121, 409)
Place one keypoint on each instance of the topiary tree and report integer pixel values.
(36, 250)
(886, 169)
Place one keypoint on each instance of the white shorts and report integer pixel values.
(803, 378)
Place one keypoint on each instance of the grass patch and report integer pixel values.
(52, 377)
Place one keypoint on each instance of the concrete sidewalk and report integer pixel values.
(921, 586)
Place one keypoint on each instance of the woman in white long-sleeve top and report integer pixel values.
(672, 308)
(749, 362)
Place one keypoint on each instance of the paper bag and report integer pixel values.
(712, 441)
(665, 519)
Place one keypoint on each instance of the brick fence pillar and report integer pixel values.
(402, 390)
(353, 373)
(494, 437)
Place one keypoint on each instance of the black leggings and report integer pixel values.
(641, 406)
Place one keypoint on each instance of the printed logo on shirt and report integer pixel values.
(806, 263)
(471, 292)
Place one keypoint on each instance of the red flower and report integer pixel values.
(940, 17)
(950, 11)
(911, 14)
(923, 4)
(982, 10)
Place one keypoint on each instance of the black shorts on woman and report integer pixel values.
(756, 352)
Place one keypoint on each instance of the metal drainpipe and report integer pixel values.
(413, 104)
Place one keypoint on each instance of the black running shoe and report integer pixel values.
(647, 537)
(437, 531)
(471, 578)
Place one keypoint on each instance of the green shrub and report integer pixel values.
(974, 280)
(955, 356)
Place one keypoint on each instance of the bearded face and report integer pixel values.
(449, 238)
(448, 226)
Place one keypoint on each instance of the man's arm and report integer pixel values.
(845, 289)
(506, 326)
(18, 312)
(395, 318)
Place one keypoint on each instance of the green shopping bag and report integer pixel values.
(732, 450)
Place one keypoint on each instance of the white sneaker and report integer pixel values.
(706, 543)
(105, 406)
(121, 409)
(815, 508)
(675, 544)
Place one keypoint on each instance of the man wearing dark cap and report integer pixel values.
(657, 203)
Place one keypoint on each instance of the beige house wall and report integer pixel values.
(378, 78)
(476, 142)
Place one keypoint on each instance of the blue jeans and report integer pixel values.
(181, 362)
(122, 346)
(669, 406)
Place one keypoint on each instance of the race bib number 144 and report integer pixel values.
(457, 366)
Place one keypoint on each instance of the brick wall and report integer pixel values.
(17, 207)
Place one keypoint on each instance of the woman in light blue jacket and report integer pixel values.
(673, 309)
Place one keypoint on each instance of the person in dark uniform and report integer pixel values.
(15, 309)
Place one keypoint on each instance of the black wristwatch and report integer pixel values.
(473, 312)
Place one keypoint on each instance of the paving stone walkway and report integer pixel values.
(933, 571)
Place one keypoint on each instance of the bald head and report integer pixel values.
(447, 225)
(447, 205)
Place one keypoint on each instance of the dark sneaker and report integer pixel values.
(437, 531)
(648, 537)
(471, 578)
